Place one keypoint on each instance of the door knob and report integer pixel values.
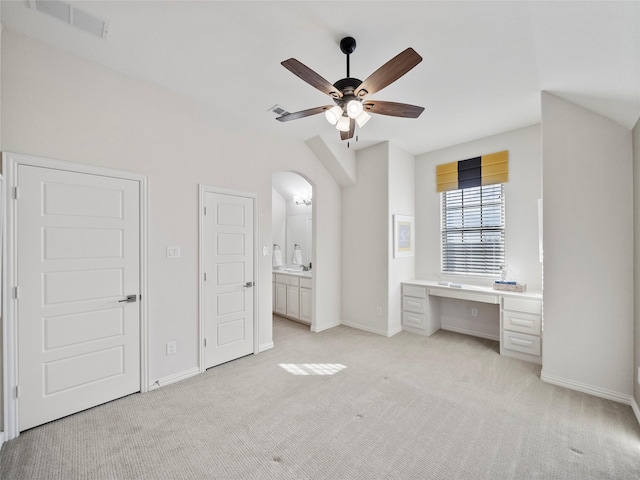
(248, 284)
(129, 299)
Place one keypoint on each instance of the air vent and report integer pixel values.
(72, 16)
(277, 109)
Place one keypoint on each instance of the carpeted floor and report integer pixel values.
(343, 404)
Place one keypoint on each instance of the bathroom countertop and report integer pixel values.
(295, 273)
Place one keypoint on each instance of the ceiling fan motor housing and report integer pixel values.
(347, 87)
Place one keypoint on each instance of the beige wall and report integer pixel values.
(365, 245)
(636, 290)
(522, 192)
(402, 200)
(1, 330)
(63, 107)
(371, 276)
(588, 250)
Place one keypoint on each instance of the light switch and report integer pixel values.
(173, 252)
(265, 251)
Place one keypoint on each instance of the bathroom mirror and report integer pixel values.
(299, 239)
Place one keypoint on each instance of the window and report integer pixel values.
(473, 230)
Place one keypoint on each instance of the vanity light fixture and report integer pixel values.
(302, 199)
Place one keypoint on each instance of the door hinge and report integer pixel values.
(16, 194)
(205, 277)
(17, 391)
(205, 211)
(16, 292)
(205, 342)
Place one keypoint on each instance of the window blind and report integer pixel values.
(473, 230)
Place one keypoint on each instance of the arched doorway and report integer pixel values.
(293, 247)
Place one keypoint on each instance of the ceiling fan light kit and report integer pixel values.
(348, 93)
(354, 108)
(343, 124)
(333, 114)
(362, 119)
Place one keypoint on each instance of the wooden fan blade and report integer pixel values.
(393, 109)
(352, 129)
(303, 113)
(311, 77)
(389, 72)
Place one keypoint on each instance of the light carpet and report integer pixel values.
(407, 407)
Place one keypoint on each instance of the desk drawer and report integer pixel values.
(521, 342)
(416, 320)
(413, 291)
(414, 305)
(523, 305)
(521, 322)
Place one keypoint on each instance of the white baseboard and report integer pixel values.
(265, 346)
(473, 333)
(176, 377)
(394, 332)
(366, 328)
(316, 329)
(636, 409)
(585, 388)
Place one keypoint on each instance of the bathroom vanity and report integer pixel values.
(292, 295)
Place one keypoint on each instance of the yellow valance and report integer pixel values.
(473, 172)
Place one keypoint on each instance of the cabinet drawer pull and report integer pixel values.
(522, 322)
(520, 341)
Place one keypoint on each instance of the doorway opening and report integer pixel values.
(293, 249)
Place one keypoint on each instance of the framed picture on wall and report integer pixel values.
(403, 236)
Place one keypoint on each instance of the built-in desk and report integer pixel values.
(520, 314)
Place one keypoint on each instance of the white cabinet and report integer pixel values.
(280, 305)
(292, 297)
(521, 327)
(520, 314)
(293, 301)
(305, 300)
(414, 307)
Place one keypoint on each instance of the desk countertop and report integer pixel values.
(473, 288)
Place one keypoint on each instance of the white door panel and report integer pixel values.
(228, 251)
(78, 257)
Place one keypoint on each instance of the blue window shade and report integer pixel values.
(473, 230)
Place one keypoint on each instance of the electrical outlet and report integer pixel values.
(171, 347)
(379, 311)
(173, 252)
(474, 312)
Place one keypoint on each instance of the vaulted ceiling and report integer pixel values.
(485, 63)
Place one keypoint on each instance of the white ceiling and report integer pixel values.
(484, 65)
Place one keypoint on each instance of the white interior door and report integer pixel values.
(78, 259)
(228, 289)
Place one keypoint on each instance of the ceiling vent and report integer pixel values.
(72, 16)
(278, 110)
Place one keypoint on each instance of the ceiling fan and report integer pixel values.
(349, 93)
